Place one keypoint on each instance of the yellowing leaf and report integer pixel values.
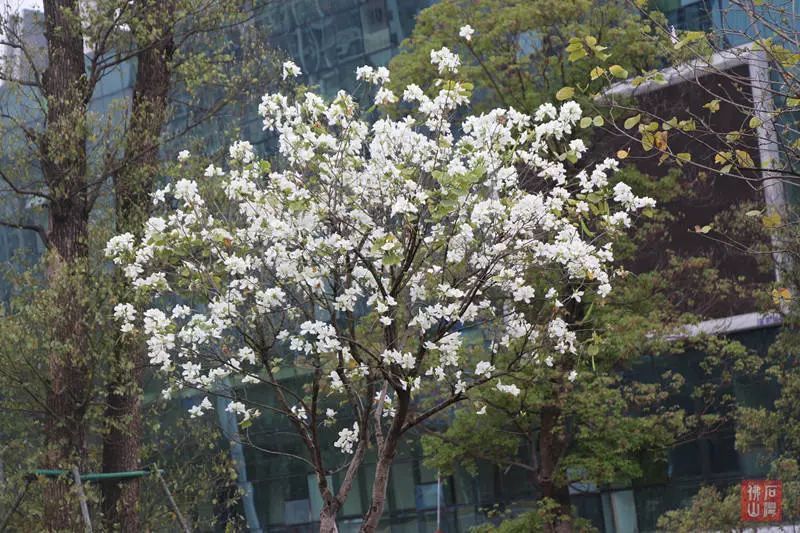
(586, 122)
(622, 154)
(597, 72)
(722, 158)
(754, 122)
(565, 93)
(733, 136)
(661, 140)
(752, 213)
(598, 121)
(780, 295)
(713, 105)
(771, 221)
(743, 159)
(793, 102)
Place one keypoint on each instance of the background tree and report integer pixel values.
(745, 68)
(75, 159)
(517, 55)
(520, 54)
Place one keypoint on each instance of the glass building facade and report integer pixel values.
(286, 498)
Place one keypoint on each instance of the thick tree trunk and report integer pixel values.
(63, 161)
(133, 185)
(121, 444)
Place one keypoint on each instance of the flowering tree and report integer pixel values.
(362, 254)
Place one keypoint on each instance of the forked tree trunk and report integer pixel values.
(327, 521)
(133, 185)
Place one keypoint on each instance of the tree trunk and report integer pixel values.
(379, 487)
(133, 185)
(62, 148)
(552, 444)
(385, 459)
(327, 521)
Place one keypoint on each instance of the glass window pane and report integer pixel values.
(402, 486)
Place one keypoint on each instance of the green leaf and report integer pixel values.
(632, 121)
(647, 141)
(586, 230)
(618, 72)
(565, 93)
(793, 102)
(689, 37)
(576, 55)
(586, 122)
(598, 121)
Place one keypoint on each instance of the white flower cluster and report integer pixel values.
(290, 70)
(126, 314)
(399, 232)
(347, 439)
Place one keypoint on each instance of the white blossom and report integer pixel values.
(512, 389)
(125, 313)
(347, 439)
(290, 69)
(484, 368)
(200, 409)
(446, 60)
(300, 412)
